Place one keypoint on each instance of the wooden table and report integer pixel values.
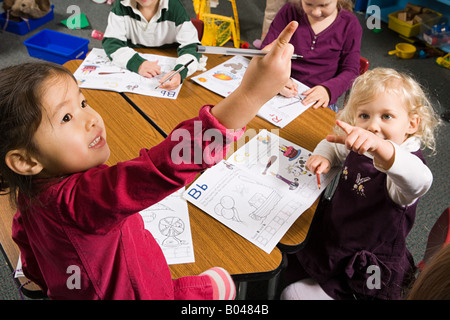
(307, 130)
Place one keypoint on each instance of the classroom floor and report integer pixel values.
(375, 47)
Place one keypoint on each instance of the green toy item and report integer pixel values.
(78, 21)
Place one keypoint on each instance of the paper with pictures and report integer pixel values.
(260, 190)
(226, 77)
(168, 222)
(98, 72)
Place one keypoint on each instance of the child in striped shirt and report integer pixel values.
(151, 23)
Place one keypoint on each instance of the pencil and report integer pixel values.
(178, 71)
(318, 180)
(236, 51)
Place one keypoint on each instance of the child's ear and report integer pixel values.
(414, 122)
(22, 163)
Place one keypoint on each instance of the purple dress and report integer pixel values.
(330, 58)
(360, 227)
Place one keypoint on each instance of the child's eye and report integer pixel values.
(387, 116)
(67, 117)
(364, 116)
(84, 104)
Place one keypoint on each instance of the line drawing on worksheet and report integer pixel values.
(226, 77)
(168, 222)
(98, 72)
(260, 190)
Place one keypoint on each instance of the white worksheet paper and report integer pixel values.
(168, 222)
(260, 190)
(226, 77)
(98, 72)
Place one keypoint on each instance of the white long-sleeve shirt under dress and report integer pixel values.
(127, 29)
(407, 179)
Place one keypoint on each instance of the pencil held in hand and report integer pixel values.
(176, 72)
(318, 180)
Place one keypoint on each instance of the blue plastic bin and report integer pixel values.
(21, 28)
(56, 46)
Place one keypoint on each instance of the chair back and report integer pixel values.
(438, 237)
(199, 25)
(363, 65)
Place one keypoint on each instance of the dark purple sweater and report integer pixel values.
(330, 58)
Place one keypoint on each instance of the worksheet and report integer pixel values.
(98, 72)
(260, 190)
(226, 77)
(168, 222)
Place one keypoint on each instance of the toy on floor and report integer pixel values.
(78, 21)
(444, 61)
(404, 50)
(18, 10)
(438, 34)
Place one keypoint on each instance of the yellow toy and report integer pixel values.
(217, 29)
(444, 61)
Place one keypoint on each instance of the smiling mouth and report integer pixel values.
(94, 143)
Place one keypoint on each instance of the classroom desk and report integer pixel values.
(307, 130)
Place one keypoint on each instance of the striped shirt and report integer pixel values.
(127, 29)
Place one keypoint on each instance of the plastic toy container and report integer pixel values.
(437, 34)
(56, 46)
(23, 27)
(403, 28)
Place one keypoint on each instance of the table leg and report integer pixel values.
(242, 290)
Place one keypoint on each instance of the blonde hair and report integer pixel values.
(377, 81)
(341, 4)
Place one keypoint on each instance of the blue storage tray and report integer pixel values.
(21, 28)
(56, 46)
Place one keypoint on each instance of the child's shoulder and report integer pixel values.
(176, 11)
(348, 16)
(122, 8)
(349, 20)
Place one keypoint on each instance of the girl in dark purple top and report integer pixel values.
(356, 246)
(329, 39)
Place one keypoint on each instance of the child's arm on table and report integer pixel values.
(116, 47)
(325, 156)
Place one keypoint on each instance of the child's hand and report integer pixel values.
(290, 89)
(318, 164)
(318, 94)
(149, 69)
(263, 79)
(360, 140)
(266, 76)
(356, 139)
(173, 83)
